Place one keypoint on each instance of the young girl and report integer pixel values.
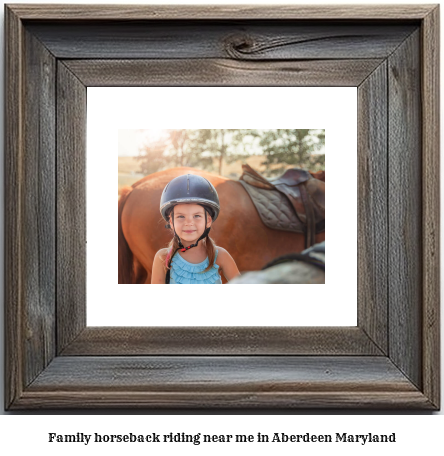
(190, 205)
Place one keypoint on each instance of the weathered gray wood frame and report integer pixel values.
(391, 359)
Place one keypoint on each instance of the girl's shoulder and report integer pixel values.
(222, 255)
(226, 262)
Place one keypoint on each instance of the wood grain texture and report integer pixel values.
(431, 205)
(89, 373)
(206, 72)
(126, 341)
(13, 209)
(372, 207)
(225, 400)
(209, 373)
(38, 212)
(233, 382)
(221, 12)
(405, 209)
(71, 206)
(258, 40)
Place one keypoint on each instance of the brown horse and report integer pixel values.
(320, 175)
(238, 228)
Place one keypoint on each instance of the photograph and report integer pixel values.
(211, 206)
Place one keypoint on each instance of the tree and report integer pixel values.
(220, 145)
(210, 148)
(151, 155)
(170, 149)
(291, 147)
(178, 141)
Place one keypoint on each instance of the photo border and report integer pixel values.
(390, 360)
(110, 108)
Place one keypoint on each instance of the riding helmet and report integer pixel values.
(189, 188)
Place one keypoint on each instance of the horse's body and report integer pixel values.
(320, 175)
(238, 228)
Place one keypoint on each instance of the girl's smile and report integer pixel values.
(189, 221)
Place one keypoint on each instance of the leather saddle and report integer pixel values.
(294, 201)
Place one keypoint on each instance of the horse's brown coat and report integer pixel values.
(238, 228)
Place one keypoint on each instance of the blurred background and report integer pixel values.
(270, 152)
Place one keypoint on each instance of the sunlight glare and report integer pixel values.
(151, 136)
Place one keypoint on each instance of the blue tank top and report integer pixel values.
(183, 272)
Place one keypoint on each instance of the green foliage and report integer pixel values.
(291, 147)
(209, 148)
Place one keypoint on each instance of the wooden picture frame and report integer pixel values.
(390, 360)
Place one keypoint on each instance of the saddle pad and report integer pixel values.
(275, 210)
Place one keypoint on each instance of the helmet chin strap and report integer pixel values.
(204, 234)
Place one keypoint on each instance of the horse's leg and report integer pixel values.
(135, 230)
(144, 257)
(140, 272)
(125, 255)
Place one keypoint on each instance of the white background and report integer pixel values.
(417, 433)
(330, 304)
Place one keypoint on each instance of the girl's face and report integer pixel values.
(189, 221)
